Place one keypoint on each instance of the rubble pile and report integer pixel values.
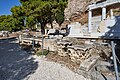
(80, 52)
(79, 55)
(62, 47)
(77, 50)
(85, 58)
(103, 50)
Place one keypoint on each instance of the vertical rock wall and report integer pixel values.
(77, 7)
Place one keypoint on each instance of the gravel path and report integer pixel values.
(53, 71)
(17, 64)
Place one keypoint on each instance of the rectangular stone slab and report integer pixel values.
(87, 64)
(80, 47)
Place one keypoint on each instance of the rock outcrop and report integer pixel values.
(77, 9)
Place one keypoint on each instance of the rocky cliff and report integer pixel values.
(77, 9)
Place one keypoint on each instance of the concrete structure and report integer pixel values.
(74, 28)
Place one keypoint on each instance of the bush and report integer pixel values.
(45, 52)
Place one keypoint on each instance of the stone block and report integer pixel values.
(50, 44)
(61, 52)
(80, 47)
(87, 64)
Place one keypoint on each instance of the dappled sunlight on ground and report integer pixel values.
(15, 64)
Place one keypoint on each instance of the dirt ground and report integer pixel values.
(63, 60)
(18, 64)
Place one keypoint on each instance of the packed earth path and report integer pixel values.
(17, 64)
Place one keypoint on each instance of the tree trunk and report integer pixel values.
(42, 28)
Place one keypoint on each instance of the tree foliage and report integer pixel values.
(34, 11)
(7, 22)
(44, 11)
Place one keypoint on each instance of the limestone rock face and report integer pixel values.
(77, 7)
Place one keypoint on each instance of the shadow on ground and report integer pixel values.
(113, 35)
(15, 64)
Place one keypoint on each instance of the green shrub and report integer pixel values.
(45, 52)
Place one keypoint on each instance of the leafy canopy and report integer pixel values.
(31, 12)
(44, 11)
